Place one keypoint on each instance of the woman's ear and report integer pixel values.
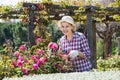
(73, 29)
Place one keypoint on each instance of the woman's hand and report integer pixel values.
(81, 55)
(64, 56)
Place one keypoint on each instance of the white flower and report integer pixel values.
(73, 54)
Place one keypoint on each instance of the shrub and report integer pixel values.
(37, 59)
(112, 63)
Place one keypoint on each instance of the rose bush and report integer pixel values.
(37, 59)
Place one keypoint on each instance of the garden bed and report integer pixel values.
(96, 75)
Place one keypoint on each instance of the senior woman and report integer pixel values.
(75, 45)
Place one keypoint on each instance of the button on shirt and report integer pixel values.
(80, 43)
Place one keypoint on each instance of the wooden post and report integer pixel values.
(32, 8)
(94, 44)
(31, 25)
(90, 35)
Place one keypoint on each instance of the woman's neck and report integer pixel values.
(70, 36)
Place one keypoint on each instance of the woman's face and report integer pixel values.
(66, 28)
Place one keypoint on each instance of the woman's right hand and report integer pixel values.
(64, 56)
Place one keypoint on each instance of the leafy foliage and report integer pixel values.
(99, 48)
(15, 32)
(112, 63)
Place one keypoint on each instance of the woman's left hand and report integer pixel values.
(81, 55)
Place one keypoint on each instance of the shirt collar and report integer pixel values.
(74, 34)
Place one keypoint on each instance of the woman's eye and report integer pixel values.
(64, 26)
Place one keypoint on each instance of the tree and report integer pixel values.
(106, 32)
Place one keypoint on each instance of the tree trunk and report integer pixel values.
(106, 48)
(110, 46)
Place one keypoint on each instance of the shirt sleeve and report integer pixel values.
(85, 47)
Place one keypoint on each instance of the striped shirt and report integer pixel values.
(80, 43)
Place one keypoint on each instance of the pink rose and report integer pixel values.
(35, 57)
(38, 40)
(21, 58)
(17, 53)
(22, 47)
(53, 46)
(39, 62)
(50, 44)
(25, 71)
(19, 63)
(35, 66)
(39, 51)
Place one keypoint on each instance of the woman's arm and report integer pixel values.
(85, 48)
